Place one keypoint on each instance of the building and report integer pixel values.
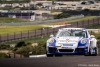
(25, 14)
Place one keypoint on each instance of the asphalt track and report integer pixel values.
(67, 61)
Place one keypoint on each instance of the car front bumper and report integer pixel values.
(76, 51)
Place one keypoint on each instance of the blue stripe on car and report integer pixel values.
(53, 44)
(80, 44)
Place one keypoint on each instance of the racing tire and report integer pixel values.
(96, 53)
(49, 55)
(58, 55)
(88, 54)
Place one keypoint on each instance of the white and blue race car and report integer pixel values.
(74, 41)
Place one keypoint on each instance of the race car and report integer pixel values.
(73, 41)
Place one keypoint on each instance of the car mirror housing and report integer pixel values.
(51, 35)
(92, 36)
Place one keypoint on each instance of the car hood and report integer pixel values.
(68, 39)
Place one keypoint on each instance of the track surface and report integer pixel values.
(68, 61)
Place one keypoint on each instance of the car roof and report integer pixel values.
(72, 29)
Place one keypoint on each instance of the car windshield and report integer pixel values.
(76, 33)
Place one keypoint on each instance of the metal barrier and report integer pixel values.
(48, 31)
(41, 22)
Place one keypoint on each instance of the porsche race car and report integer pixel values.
(73, 41)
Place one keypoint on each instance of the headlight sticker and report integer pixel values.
(67, 40)
(83, 41)
(51, 40)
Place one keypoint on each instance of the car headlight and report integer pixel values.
(51, 40)
(83, 41)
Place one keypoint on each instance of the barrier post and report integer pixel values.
(7, 37)
(77, 24)
(21, 34)
(28, 33)
(35, 33)
(0, 38)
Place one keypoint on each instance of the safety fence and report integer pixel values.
(47, 31)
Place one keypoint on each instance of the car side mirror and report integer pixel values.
(51, 35)
(92, 36)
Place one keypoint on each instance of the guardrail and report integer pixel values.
(47, 31)
(40, 22)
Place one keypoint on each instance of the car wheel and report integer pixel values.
(58, 55)
(96, 52)
(88, 54)
(49, 55)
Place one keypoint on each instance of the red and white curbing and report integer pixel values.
(55, 26)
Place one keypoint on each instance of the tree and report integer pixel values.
(62, 15)
(91, 2)
(83, 3)
(24, 50)
(87, 10)
(19, 44)
(3, 55)
(39, 4)
(32, 7)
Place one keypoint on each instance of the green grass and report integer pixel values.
(11, 20)
(11, 29)
(31, 40)
(3, 55)
(17, 29)
(94, 27)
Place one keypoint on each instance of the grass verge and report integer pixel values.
(74, 20)
(12, 20)
(30, 40)
(11, 29)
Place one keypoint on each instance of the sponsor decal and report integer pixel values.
(67, 44)
(66, 47)
(67, 40)
(60, 44)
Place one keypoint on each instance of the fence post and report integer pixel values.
(0, 38)
(66, 25)
(53, 30)
(14, 35)
(7, 37)
(14, 55)
(83, 23)
(71, 24)
(20, 55)
(41, 31)
(35, 33)
(9, 55)
(47, 30)
(93, 22)
(88, 23)
(28, 33)
(77, 24)
(98, 20)
(21, 35)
